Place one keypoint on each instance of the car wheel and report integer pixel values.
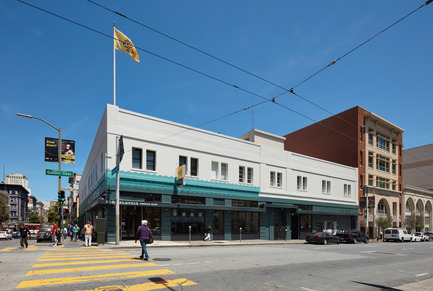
(325, 242)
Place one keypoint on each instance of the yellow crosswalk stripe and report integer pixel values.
(32, 249)
(148, 286)
(83, 263)
(76, 256)
(80, 269)
(113, 276)
(89, 247)
(7, 249)
(43, 259)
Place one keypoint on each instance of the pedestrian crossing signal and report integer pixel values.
(65, 211)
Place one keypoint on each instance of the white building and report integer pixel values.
(18, 179)
(249, 184)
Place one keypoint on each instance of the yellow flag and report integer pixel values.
(124, 44)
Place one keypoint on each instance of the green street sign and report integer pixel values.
(59, 173)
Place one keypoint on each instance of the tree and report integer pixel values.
(4, 212)
(384, 222)
(415, 222)
(53, 213)
(34, 218)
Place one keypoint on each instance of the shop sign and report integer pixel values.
(371, 202)
(132, 203)
(362, 202)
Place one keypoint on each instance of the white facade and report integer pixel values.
(169, 140)
(18, 179)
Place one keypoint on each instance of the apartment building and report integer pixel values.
(247, 186)
(359, 138)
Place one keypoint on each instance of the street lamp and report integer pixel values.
(59, 145)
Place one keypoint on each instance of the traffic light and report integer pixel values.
(61, 196)
(65, 211)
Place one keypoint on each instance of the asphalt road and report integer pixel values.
(374, 266)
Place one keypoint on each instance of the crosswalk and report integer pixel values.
(16, 248)
(74, 266)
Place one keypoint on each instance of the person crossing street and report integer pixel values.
(25, 234)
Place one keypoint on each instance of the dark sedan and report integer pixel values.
(322, 238)
(44, 234)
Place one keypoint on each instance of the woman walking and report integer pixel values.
(143, 234)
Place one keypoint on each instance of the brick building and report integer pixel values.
(361, 139)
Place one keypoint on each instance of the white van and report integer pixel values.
(396, 234)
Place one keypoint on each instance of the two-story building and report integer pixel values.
(247, 186)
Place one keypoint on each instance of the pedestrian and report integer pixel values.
(88, 231)
(75, 232)
(25, 233)
(143, 234)
(71, 231)
(208, 233)
(54, 234)
(65, 233)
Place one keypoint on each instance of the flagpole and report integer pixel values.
(114, 67)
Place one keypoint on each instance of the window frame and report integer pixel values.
(140, 159)
(153, 162)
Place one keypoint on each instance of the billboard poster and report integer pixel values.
(51, 150)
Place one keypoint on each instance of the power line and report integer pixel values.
(254, 75)
(199, 72)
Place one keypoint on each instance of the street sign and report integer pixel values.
(67, 189)
(59, 173)
(115, 170)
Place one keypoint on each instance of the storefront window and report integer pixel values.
(249, 221)
(182, 219)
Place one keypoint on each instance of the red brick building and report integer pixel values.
(360, 138)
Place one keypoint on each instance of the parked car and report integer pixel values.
(5, 235)
(396, 234)
(352, 236)
(414, 237)
(44, 234)
(423, 236)
(16, 234)
(322, 238)
(430, 234)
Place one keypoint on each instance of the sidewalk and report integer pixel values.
(214, 243)
(200, 243)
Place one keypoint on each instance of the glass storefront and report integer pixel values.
(250, 223)
(133, 215)
(182, 219)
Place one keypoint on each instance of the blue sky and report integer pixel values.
(63, 73)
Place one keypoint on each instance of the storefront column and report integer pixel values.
(264, 225)
(289, 225)
(166, 224)
(227, 225)
(111, 224)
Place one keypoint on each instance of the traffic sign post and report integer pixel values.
(50, 172)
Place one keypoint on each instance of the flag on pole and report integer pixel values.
(124, 44)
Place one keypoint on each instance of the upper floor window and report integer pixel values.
(194, 167)
(301, 183)
(370, 138)
(370, 159)
(382, 163)
(150, 160)
(382, 143)
(250, 175)
(136, 158)
(183, 161)
(326, 186)
(382, 183)
(241, 174)
(347, 190)
(276, 179)
(219, 171)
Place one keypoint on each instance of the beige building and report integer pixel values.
(18, 179)
(417, 202)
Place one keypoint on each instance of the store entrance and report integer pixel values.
(132, 217)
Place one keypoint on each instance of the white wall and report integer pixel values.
(170, 140)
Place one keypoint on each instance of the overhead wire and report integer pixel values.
(197, 71)
(255, 75)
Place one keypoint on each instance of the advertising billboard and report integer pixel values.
(51, 150)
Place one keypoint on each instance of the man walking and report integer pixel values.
(143, 234)
(25, 233)
(54, 234)
(88, 231)
(75, 231)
